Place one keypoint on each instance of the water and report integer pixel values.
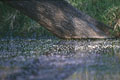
(53, 59)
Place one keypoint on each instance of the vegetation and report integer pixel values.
(107, 11)
(13, 23)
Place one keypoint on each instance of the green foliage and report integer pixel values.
(107, 11)
(13, 23)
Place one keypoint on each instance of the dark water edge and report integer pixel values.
(56, 59)
(34, 37)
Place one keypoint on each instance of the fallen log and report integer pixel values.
(61, 18)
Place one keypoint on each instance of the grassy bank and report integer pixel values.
(107, 11)
(13, 23)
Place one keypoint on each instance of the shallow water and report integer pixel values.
(53, 59)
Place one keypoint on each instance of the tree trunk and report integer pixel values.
(62, 19)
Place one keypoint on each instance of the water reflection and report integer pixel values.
(52, 59)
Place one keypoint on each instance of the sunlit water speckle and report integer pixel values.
(54, 59)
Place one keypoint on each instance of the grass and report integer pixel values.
(107, 11)
(13, 23)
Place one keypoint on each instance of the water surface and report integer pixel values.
(53, 59)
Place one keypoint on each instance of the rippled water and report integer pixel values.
(53, 59)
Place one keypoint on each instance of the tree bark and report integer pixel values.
(62, 19)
